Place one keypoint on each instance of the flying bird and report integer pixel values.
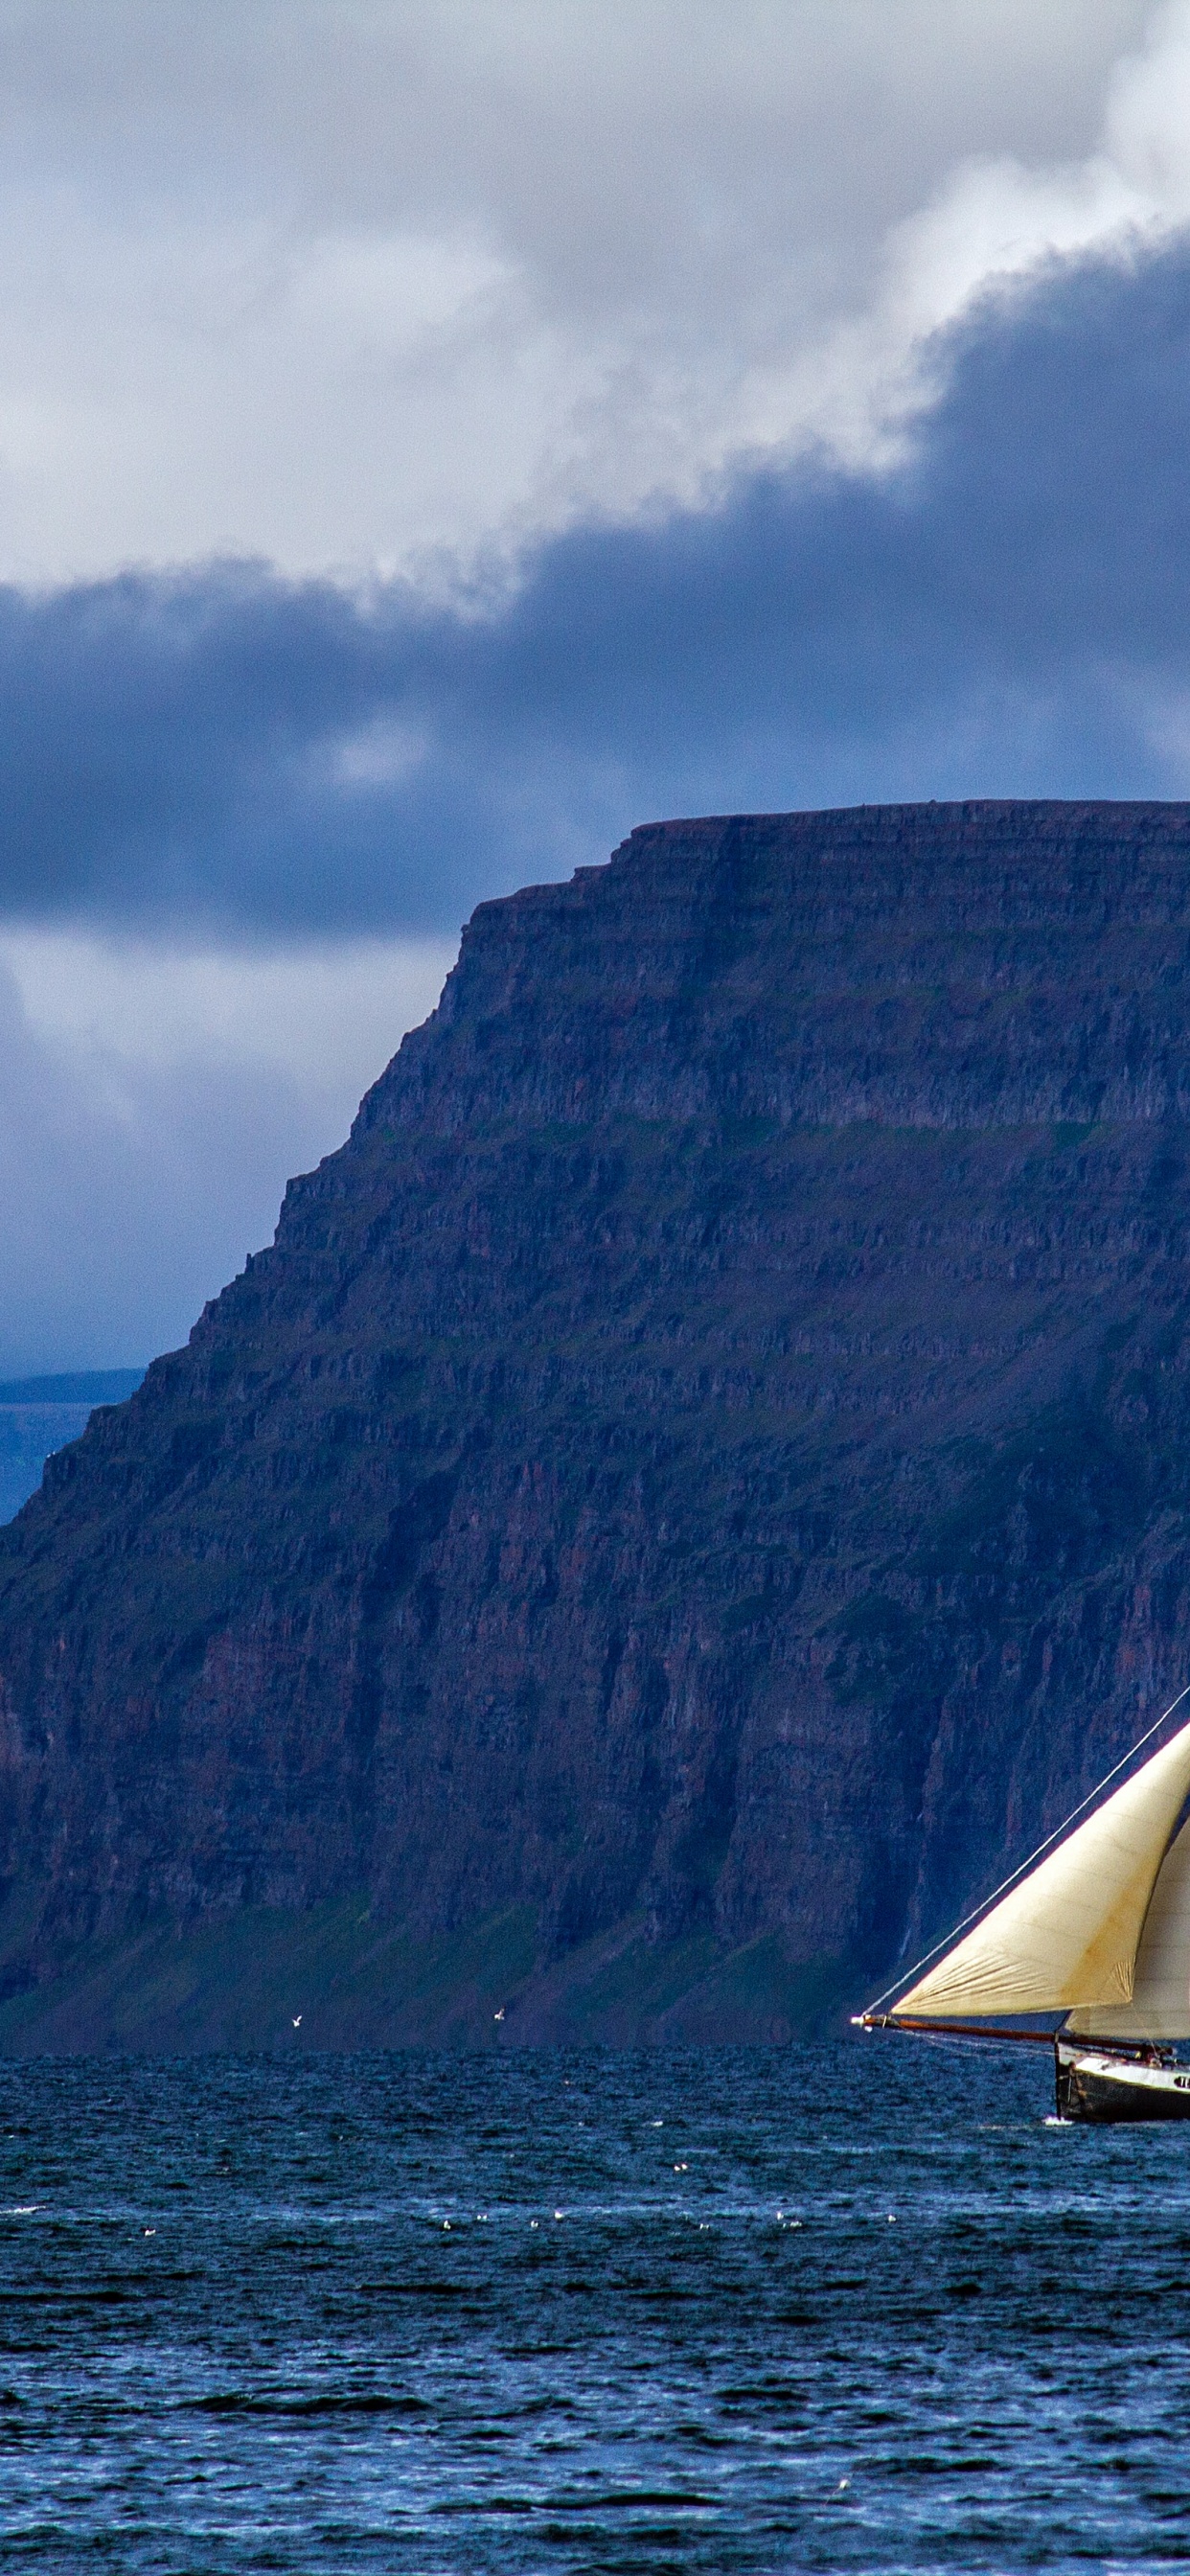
(297, 2021)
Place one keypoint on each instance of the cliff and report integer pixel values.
(698, 1480)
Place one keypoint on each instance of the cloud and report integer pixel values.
(335, 285)
(1002, 613)
(327, 1018)
(152, 1106)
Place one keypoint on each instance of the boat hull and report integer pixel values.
(1095, 2085)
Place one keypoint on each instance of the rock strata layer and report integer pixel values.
(700, 1476)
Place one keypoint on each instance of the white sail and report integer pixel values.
(1160, 2006)
(1068, 1934)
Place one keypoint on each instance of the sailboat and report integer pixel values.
(1098, 1932)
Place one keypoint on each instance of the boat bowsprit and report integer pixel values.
(1093, 1935)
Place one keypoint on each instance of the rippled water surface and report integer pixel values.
(852, 2307)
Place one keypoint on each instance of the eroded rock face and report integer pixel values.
(713, 1445)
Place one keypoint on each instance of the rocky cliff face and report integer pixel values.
(701, 1476)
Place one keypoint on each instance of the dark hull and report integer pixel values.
(1092, 2088)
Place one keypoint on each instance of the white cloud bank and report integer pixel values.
(346, 284)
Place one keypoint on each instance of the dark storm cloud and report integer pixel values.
(1007, 614)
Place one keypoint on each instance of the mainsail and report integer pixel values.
(1160, 2006)
(1068, 1938)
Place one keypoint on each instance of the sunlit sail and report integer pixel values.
(1160, 2005)
(1097, 1931)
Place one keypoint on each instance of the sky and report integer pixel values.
(436, 437)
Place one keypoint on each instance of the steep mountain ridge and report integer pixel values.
(698, 1476)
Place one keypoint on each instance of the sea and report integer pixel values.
(862, 2305)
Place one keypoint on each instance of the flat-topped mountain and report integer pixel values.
(696, 1477)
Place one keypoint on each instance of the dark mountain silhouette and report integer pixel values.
(698, 1481)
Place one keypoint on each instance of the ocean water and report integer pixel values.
(848, 2307)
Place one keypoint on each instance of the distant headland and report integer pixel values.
(39, 1414)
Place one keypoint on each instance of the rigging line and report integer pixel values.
(908, 1974)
